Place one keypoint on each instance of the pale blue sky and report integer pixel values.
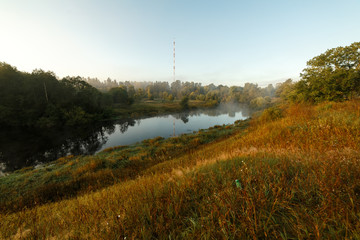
(220, 42)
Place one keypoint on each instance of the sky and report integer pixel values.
(221, 42)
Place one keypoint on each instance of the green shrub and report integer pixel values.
(271, 114)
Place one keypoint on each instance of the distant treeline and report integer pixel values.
(250, 93)
(40, 99)
(331, 76)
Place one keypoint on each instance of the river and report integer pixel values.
(20, 149)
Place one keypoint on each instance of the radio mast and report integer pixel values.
(174, 82)
(174, 61)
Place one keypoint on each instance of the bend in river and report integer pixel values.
(21, 149)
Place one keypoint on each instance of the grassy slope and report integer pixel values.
(299, 178)
(70, 176)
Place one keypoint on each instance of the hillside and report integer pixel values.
(298, 172)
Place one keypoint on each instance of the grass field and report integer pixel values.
(292, 172)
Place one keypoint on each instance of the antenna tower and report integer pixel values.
(174, 62)
(174, 82)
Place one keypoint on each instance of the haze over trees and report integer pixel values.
(332, 76)
(249, 94)
(40, 99)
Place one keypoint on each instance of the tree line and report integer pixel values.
(40, 99)
(250, 93)
(332, 76)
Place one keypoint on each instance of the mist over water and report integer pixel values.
(163, 126)
(20, 149)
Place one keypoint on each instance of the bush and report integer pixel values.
(271, 114)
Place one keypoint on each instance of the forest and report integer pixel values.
(40, 99)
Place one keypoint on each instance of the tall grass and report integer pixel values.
(298, 177)
(70, 176)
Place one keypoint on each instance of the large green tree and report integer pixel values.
(40, 99)
(120, 95)
(333, 75)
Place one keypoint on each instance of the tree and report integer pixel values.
(83, 94)
(176, 88)
(201, 97)
(165, 95)
(268, 91)
(285, 90)
(139, 94)
(259, 102)
(333, 75)
(185, 102)
(149, 94)
(171, 97)
(131, 91)
(120, 95)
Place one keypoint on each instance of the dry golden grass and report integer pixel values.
(298, 175)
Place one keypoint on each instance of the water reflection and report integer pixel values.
(22, 148)
(125, 123)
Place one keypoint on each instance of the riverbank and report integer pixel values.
(73, 175)
(291, 173)
(29, 147)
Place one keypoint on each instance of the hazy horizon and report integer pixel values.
(228, 43)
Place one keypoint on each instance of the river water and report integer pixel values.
(20, 149)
